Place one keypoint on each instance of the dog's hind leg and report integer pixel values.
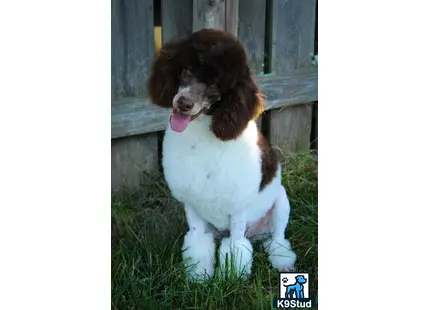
(198, 250)
(279, 249)
(290, 292)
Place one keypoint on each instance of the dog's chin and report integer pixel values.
(180, 121)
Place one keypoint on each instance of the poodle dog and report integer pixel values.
(215, 160)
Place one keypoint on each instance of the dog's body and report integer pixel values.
(215, 161)
(217, 178)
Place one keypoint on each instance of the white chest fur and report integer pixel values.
(216, 178)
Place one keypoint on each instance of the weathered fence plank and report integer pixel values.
(283, 91)
(290, 128)
(176, 19)
(132, 46)
(139, 20)
(131, 157)
(251, 32)
(293, 35)
(117, 50)
(132, 54)
(208, 14)
(131, 116)
(293, 31)
(232, 16)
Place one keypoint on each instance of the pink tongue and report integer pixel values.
(179, 122)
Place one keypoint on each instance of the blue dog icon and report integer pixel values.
(296, 288)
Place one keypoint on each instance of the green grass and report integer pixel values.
(148, 226)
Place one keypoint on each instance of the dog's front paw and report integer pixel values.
(235, 258)
(198, 253)
(281, 256)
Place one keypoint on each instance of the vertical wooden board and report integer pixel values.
(251, 32)
(176, 19)
(232, 16)
(291, 128)
(131, 157)
(293, 33)
(132, 46)
(139, 21)
(208, 14)
(117, 50)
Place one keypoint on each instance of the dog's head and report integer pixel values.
(301, 279)
(206, 73)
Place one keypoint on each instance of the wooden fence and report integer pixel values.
(279, 37)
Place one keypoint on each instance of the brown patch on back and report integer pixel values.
(269, 161)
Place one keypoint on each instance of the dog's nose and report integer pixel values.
(184, 104)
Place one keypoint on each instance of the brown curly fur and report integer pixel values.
(215, 58)
(269, 161)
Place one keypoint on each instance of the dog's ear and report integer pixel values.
(235, 109)
(166, 69)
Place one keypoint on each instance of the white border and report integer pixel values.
(55, 155)
(373, 154)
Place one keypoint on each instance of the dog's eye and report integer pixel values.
(212, 93)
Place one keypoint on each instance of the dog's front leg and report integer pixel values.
(236, 251)
(301, 294)
(198, 251)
